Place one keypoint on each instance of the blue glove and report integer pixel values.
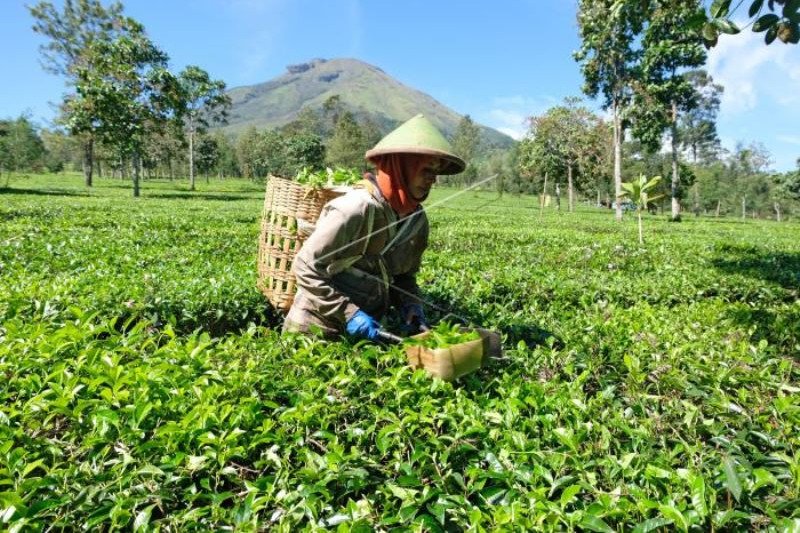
(413, 317)
(363, 325)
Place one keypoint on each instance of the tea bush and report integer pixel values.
(146, 385)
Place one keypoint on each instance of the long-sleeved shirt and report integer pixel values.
(359, 256)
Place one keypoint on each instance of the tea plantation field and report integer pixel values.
(144, 384)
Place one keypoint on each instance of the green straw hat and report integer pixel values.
(419, 136)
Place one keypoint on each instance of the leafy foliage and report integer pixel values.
(610, 61)
(21, 147)
(638, 192)
(697, 126)
(205, 102)
(349, 142)
(668, 49)
(124, 93)
(567, 141)
(276, 152)
(776, 18)
(71, 33)
(144, 384)
(328, 177)
(444, 335)
(466, 142)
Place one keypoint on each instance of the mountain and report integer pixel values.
(364, 89)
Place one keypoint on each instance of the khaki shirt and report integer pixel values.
(358, 257)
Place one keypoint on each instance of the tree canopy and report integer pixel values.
(205, 103)
(126, 93)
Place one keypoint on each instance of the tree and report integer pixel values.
(697, 127)
(566, 138)
(124, 91)
(70, 33)
(668, 49)
(307, 120)
(59, 149)
(207, 154)
(538, 154)
(609, 59)
(750, 183)
(271, 157)
(595, 159)
(348, 144)
(206, 102)
(503, 165)
(332, 109)
(227, 164)
(165, 147)
(21, 148)
(465, 143)
(247, 153)
(792, 182)
(302, 150)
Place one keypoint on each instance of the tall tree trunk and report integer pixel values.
(598, 197)
(639, 217)
(191, 157)
(558, 196)
(570, 190)
(135, 162)
(544, 194)
(744, 207)
(696, 200)
(88, 159)
(717, 212)
(777, 211)
(618, 159)
(171, 170)
(676, 179)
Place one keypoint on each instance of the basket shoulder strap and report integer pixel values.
(346, 263)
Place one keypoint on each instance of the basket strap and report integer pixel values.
(346, 263)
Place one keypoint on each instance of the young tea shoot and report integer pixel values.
(328, 177)
(445, 335)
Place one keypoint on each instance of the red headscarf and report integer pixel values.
(394, 174)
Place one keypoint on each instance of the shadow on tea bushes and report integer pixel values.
(781, 268)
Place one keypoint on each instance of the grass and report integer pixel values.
(146, 387)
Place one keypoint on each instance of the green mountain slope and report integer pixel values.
(364, 89)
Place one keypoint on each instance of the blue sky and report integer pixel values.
(498, 61)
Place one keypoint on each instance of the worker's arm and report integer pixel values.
(405, 290)
(331, 244)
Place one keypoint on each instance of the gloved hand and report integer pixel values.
(363, 325)
(413, 317)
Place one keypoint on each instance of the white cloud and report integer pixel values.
(789, 139)
(511, 123)
(509, 114)
(753, 72)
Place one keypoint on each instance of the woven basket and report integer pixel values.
(290, 211)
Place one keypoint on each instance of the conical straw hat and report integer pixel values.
(419, 136)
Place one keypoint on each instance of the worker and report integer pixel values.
(363, 256)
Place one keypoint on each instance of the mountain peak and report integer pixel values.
(364, 89)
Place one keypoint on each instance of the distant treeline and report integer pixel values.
(715, 182)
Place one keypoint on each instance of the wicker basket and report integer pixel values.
(290, 211)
